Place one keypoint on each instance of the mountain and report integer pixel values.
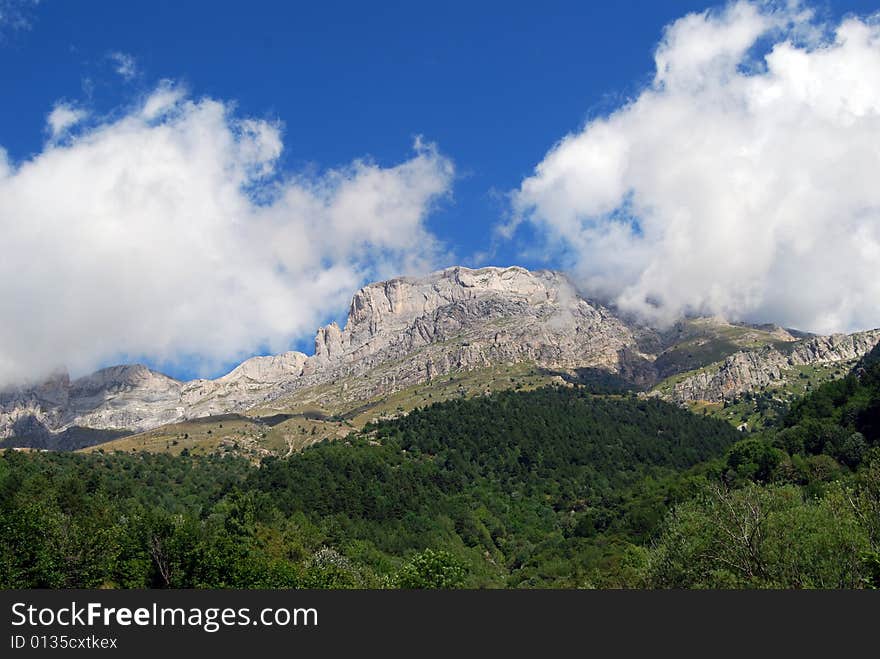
(115, 398)
(409, 340)
(401, 332)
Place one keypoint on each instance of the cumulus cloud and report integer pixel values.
(63, 117)
(124, 64)
(169, 233)
(741, 182)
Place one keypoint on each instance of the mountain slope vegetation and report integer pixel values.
(556, 487)
(797, 505)
(518, 488)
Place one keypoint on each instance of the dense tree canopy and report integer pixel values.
(558, 487)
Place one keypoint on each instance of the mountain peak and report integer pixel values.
(268, 368)
(394, 304)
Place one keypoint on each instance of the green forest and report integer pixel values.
(561, 487)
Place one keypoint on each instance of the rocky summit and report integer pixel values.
(413, 330)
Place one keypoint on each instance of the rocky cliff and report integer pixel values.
(415, 328)
(460, 318)
(410, 330)
(407, 331)
(129, 397)
(749, 370)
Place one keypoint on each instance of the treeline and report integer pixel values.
(556, 487)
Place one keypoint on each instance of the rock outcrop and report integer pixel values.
(749, 370)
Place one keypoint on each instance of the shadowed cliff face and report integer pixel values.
(749, 370)
(408, 331)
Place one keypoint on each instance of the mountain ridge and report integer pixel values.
(409, 331)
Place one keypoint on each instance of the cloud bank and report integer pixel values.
(168, 233)
(743, 181)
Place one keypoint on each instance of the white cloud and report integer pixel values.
(63, 117)
(169, 233)
(125, 65)
(738, 183)
(166, 97)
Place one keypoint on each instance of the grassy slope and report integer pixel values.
(319, 413)
(699, 342)
(763, 407)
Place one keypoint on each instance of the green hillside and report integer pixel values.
(540, 488)
(797, 505)
(554, 487)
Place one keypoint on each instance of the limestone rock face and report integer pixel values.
(505, 311)
(255, 380)
(416, 329)
(749, 370)
(328, 344)
(272, 368)
(130, 397)
(410, 330)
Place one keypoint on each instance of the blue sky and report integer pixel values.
(493, 84)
